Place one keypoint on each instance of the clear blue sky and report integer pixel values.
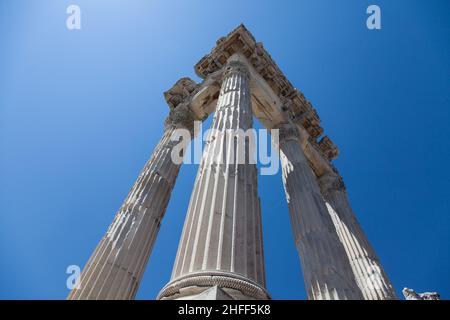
(80, 113)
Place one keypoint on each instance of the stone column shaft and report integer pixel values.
(327, 273)
(221, 244)
(367, 269)
(116, 267)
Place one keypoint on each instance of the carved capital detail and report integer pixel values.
(183, 90)
(331, 182)
(236, 67)
(180, 117)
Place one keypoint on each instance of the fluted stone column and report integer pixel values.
(367, 269)
(115, 269)
(326, 271)
(221, 245)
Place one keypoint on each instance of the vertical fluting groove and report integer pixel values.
(260, 251)
(235, 225)
(214, 201)
(135, 263)
(212, 215)
(224, 198)
(187, 228)
(367, 270)
(327, 273)
(122, 267)
(251, 232)
(349, 246)
(359, 259)
(234, 267)
(111, 259)
(212, 171)
(116, 266)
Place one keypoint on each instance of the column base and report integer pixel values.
(213, 285)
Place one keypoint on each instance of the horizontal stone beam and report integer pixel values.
(267, 107)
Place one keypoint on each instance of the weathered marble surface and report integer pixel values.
(367, 269)
(326, 269)
(221, 244)
(115, 269)
(221, 252)
(410, 294)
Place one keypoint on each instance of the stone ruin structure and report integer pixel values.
(220, 254)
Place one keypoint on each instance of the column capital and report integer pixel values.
(236, 67)
(181, 91)
(180, 117)
(330, 182)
